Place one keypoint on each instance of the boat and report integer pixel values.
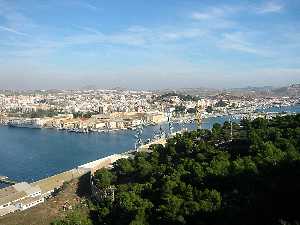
(26, 123)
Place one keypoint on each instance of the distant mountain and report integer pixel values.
(292, 90)
(250, 88)
(89, 87)
(201, 91)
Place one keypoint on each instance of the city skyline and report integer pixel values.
(148, 45)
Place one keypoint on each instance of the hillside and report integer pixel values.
(292, 90)
(204, 177)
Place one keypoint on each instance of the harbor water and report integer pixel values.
(32, 154)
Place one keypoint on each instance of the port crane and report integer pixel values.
(138, 137)
(231, 130)
(170, 123)
(198, 115)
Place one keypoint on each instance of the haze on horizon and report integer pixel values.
(149, 44)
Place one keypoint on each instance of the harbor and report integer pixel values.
(33, 154)
(19, 196)
(23, 194)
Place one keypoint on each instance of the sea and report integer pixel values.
(32, 154)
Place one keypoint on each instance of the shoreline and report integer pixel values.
(107, 160)
(47, 187)
(238, 113)
(146, 141)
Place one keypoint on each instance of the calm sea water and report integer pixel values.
(31, 154)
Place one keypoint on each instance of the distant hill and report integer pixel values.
(291, 90)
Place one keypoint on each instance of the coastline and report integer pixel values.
(235, 115)
(49, 185)
(46, 188)
(46, 150)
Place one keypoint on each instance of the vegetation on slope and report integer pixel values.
(205, 177)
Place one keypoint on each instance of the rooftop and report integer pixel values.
(12, 195)
(8, 209)
(29, 200)
(16, 192)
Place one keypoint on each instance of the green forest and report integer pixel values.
(248, 176)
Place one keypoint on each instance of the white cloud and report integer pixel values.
(120, 38)
(215, 12)
(223, 12)
(213, 25)
(187, 33)
(270, 7)
(201, 16)
(7, 29)
(238, 41)
(90, 6)
(137, 36)
(86, 5)
(13, 21)
(216, 18)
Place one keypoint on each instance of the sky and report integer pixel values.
(148, 44)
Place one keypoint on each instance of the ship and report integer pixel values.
(24, 123)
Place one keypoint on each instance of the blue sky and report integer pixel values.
(149, 44)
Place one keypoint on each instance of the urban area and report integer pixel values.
(110, 110)
(85, 111)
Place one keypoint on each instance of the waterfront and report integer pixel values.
(32, 154)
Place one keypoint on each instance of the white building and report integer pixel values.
(20, 196)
